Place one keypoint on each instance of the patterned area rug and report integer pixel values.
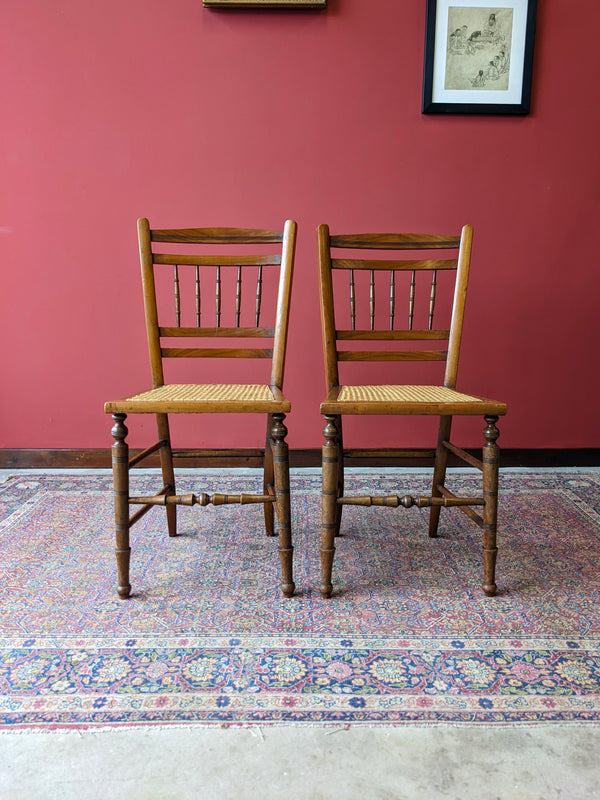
(207, 638)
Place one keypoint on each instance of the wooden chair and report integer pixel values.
(348, 344)
(195, 271)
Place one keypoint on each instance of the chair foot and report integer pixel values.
(286, 557)
(326, 586)
(124, 587)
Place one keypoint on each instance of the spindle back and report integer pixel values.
(408, 323)
(217, 296)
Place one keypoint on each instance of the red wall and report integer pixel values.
(115, 110)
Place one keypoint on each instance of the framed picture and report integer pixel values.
(478, 56)
(264, 3)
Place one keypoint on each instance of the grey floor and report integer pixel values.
(307, 763)
(526, 763)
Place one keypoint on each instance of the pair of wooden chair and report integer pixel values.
(267, 277)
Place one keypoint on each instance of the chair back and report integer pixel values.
(217, 297)
(406, 329)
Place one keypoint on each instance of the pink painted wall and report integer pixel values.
(115, 110)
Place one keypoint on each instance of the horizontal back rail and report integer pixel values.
(217, 333)
(395, 266)
(215, 352)
(392, 355)
(395, 335)
(216, 236)
(216, 260)
(394, 241)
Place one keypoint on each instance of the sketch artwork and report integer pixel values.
(478, 48)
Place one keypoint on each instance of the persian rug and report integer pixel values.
(207, 638)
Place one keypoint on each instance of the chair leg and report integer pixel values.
(330, 474)
(340, 475)
(491, 457)
(282, 491)
(168, 474)
(269, 479)
(120, 467)
(439, 472)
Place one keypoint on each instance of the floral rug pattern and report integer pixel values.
(207, 638)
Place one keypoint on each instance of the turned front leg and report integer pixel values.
(491, 457)
(120, 467)
(269, 479)
(329, 471)
(282, 493)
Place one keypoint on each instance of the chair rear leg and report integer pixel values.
(439, 472)
(282, 491)
(168, 473)
(269, 479)
(330, 474)
(340, 474)
(120, 467)
(491, 458)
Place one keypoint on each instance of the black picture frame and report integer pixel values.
(493, 55)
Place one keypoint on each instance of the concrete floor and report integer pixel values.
(319, 763)
(526, 763)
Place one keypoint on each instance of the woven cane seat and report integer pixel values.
(406, 399)
(403, 394)
(194, 398)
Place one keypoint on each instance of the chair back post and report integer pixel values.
(150, 307)
(283, 303)
(327, 308)
(458, 306)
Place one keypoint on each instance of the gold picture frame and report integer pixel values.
(264, 3)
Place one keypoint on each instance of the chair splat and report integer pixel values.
(218, 297)
(392, 298)
(177, 295)
(432, 298)
(411, 301)
(197, 295)
(238, 296)
(258, 296)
